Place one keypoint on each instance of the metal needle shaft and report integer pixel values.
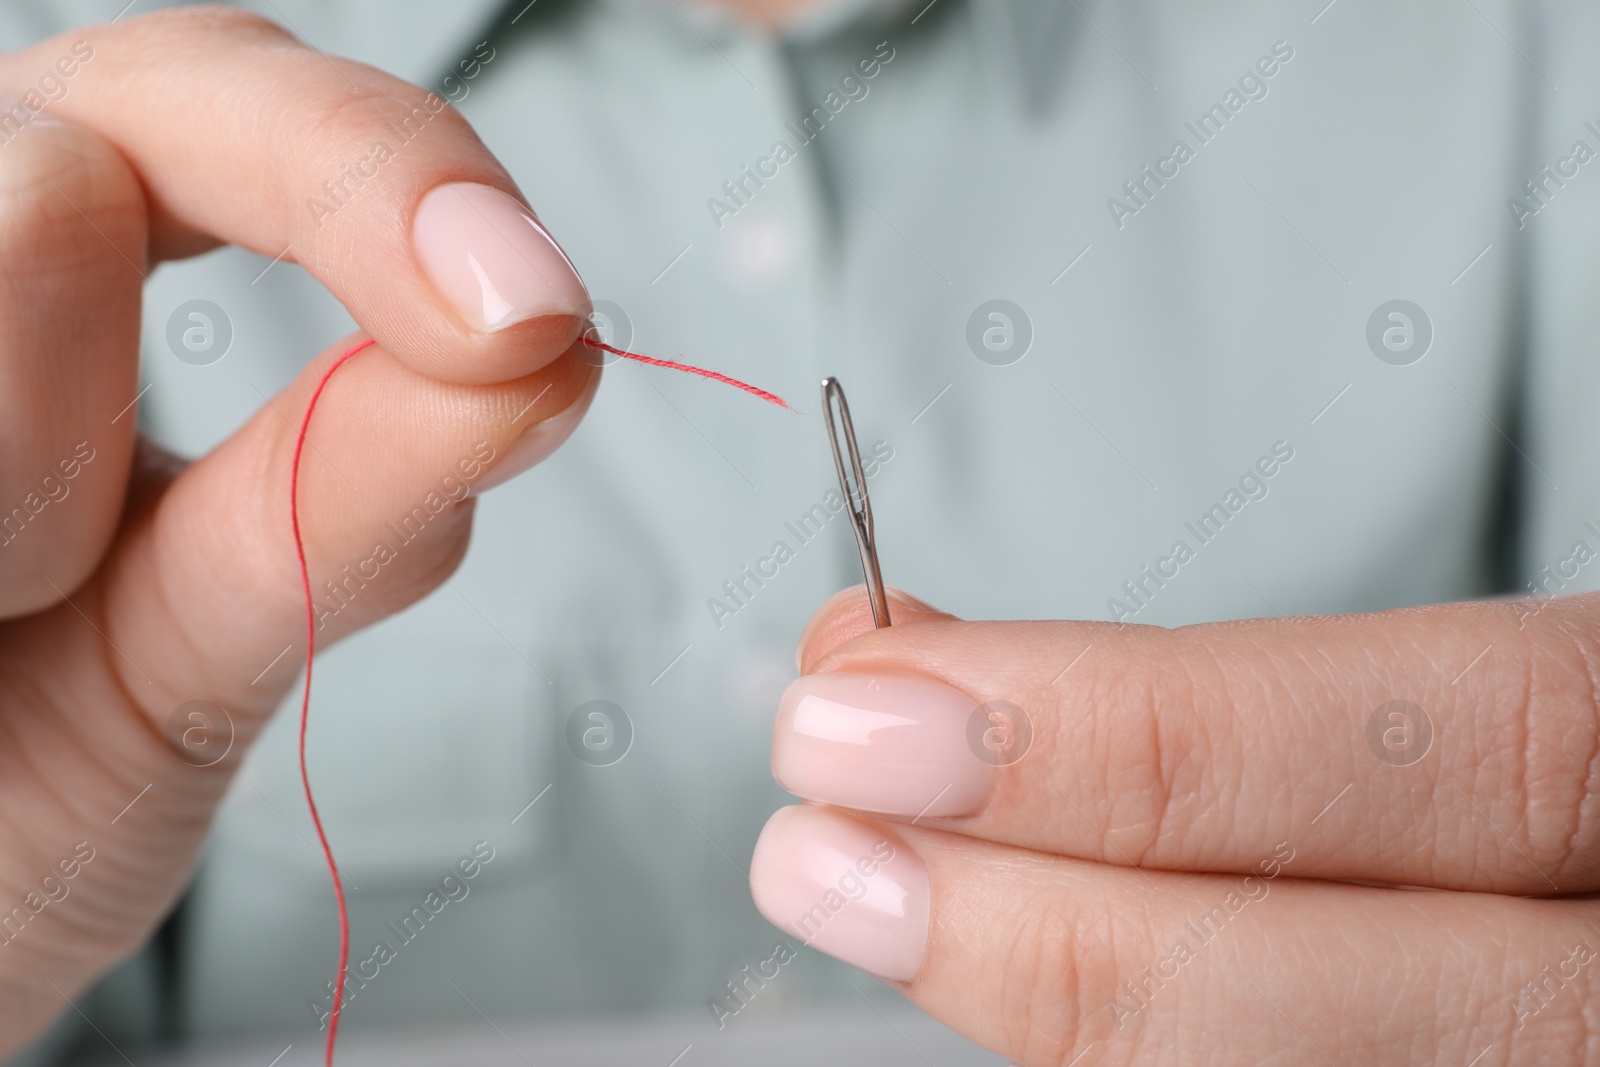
(853, 483)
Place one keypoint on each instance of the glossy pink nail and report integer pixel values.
(845, 888)
(893, 744)
(491, 260)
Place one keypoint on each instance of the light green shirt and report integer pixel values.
(1194, 405)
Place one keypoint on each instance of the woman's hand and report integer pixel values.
(154, 613)
(1086, 844)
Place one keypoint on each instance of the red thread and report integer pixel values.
(311, 629)
(771, 398)
(305, 699)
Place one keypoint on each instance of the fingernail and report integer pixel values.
(893, 744)
(491, 259)
(536, 444)
(844, 888)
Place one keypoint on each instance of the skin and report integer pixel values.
(154, 583)
(1167, 765)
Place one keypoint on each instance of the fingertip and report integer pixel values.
(844, 886)
(520, 349)
(540, 440)
(848, 613)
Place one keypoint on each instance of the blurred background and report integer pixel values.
(1071, 342)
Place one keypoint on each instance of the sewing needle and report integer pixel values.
(853, 483)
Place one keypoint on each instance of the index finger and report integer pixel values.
(1451, 746)
(381, 190)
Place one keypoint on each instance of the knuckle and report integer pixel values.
(357, 146)
(1042, 983)
(50, 163)
(1558, 716)
(68, 202)
(1145, 751)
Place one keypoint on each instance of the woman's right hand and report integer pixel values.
(153, 610)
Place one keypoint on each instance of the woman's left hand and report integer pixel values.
(1088, 843)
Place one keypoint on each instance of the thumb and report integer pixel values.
(848, 614)
(200, 604)
(203, 592)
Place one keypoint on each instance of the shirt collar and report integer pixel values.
(1022, 42)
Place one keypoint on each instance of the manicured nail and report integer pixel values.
(536, 444)
(488, 256)
(894, 744)
(844, 888)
